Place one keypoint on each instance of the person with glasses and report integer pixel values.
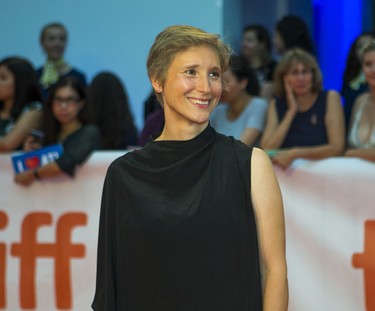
(303, 121)
(65, 121)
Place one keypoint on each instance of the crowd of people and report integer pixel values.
(210, 107)
(278, 105)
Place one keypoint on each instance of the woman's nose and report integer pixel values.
(203, 84)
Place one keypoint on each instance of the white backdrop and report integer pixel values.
(326, 205)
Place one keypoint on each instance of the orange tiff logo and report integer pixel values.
(29, 249)
(366, 261)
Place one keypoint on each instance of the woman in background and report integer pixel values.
(53, 39)
(20, 102)
(256, 48)
(354, 82)
(64, 122)
(303, 121)
(111, 113)
(361, 137)
(243, 112)
(292, 32)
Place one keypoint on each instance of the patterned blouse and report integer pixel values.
(7, 125)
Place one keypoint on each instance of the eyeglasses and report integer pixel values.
(69, 101)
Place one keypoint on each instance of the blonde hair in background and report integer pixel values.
(290, 59)
(176, 39)
(367, 47)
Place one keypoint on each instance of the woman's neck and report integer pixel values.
(7, 107)
(69, 128)
(258, 61)
(178, 127)
(236, 107)
(306, 101)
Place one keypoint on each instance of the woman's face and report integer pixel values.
(300, 78)
(232, 88)
(368, 67)
(54, 42)
(66, 105)
(193, 86)
(250, 44)
(278, 43)
(7, 84)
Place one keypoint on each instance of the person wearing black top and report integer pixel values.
(256, 48)
(188, 221)
(65, 121)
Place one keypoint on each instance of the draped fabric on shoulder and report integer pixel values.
(177, 229)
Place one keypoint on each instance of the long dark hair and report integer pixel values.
(25, 82)
(295, 33)
(262, 34)
(109, 105)
(353, 64)
(51, 126)
(241, 70)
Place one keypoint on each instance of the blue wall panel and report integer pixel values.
(336, 24)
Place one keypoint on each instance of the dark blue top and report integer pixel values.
(308, 128)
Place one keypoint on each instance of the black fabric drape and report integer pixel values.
(177, 229)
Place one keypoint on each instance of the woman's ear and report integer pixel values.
(244, 82)
(157, 86)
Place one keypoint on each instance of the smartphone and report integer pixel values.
(38, 136)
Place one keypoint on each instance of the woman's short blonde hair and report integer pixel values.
(176, 39)
(290, 59)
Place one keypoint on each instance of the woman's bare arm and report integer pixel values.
(16, 137)
(269, 214)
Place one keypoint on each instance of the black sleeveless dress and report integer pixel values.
(308, 128)
(177, 229)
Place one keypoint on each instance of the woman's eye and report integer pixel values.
(190, 71)
(215, 74)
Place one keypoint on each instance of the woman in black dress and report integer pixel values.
(190, 221)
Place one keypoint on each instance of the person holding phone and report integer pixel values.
(66, 122)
